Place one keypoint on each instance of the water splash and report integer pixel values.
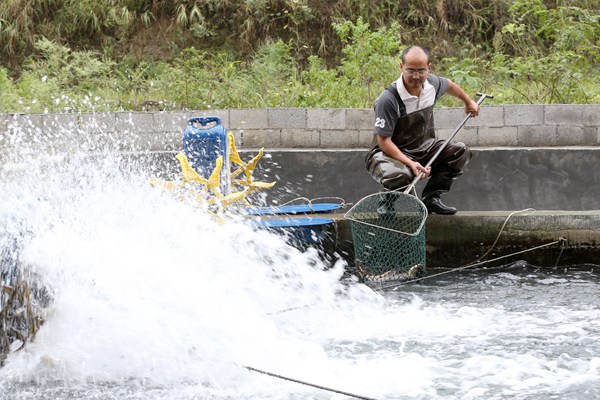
(155, 291)
(156, 299)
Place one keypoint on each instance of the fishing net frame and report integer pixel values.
(388, 232)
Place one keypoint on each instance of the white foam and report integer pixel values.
(157, 299)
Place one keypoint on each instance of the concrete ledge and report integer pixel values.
(460, 239)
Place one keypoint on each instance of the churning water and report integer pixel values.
(156, 299)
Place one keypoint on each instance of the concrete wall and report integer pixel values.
(508, 125)
(544, 178)
(539, 156)
(525, 156)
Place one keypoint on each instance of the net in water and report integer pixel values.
(388, 232)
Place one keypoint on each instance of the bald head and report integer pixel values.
(415, 52)
(415, 67)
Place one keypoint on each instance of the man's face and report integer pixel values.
(415, 69)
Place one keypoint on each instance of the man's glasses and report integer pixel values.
(413, 72)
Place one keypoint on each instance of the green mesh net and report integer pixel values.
(388, 232)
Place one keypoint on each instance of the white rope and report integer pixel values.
(500, 232)
(310, 202)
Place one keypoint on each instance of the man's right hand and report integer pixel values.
(391, 150)
(416, 168)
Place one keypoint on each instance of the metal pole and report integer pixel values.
(482, 96)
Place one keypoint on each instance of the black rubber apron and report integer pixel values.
(414, 134)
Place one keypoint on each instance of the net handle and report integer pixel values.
(482, 97)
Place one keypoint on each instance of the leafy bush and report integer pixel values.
(532, 56)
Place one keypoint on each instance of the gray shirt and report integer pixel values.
(388, 109)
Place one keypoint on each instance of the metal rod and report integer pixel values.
(482, 96)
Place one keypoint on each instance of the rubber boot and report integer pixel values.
(437, 185)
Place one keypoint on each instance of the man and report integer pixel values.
(404, 132)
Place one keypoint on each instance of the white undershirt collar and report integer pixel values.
(414, 103)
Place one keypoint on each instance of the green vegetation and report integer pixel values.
(82, 55)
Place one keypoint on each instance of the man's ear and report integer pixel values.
(429, 67)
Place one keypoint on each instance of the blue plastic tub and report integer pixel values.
(301, 231)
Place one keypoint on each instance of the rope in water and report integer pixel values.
(356, 396)
(561, 240)
(478, 261)
(500, 232)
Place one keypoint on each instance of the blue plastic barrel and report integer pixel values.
(204, 140)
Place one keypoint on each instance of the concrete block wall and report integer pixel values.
(505, 125)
